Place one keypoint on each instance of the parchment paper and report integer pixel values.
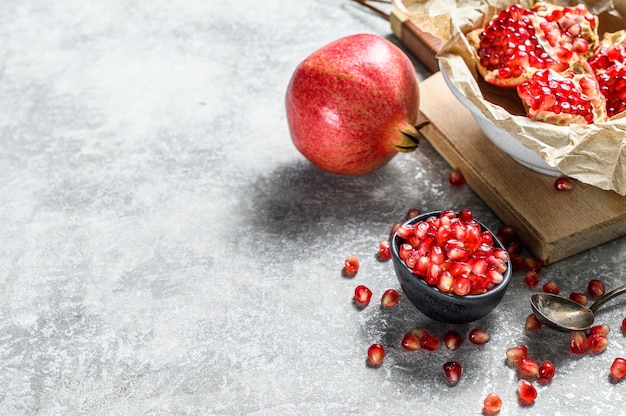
(594, 154)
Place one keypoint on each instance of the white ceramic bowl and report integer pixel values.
(500, 137)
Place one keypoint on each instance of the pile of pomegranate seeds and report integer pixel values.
(453, 253)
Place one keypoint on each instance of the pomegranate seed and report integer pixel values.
(514, 247)
(563, 184)
(579, 297)
(527, 368)
(551, 287)
(517, 261)
(420, 332)
(478, 336)
(531, 279)
(595, 288)
(461, 285)
(362, 295)
(375, 355)
(456, 178)
(578, 342)
(452, 370)
(412, 213)
(410, 342)
(597, 343)
(466, 215)
(546, 372)
(351, 266)
(452, 340)
(389, 298)
(624, 325)
(602, 329)
(531, 263)
(515, 354)
(384, 250)
(394, 228)
(430, 342)
(532, 323)
(526, 392)
(507, 234)
(618, 369)
(492, 404)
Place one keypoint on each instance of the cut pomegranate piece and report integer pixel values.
(384, 250)
(515, 354)
(527, 368)
(579, 297)
(563, 184)
(478, 336)
(531, 279)
(410, 342)
(551, 287)
(362, 296)
(578, 342)
(595, 288)
(456, 178)
(452, 371)
(526, 392)
(375, 355)
(546, 372)
(597, 343)
(351, 266)
(389, 298)
(492, 404)
(452, 340)
(618, 369)
(532, 323)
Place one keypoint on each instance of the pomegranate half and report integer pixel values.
(352, 105)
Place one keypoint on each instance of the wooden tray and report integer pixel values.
(553, 225)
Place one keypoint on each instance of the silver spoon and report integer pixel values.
(563, 314)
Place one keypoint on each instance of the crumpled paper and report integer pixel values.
(594, 154)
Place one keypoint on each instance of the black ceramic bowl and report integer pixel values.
(441, 306)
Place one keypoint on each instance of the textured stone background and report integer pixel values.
(165, 250)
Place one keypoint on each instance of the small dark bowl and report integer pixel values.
(440, 306)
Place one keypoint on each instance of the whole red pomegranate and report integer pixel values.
(352, 105)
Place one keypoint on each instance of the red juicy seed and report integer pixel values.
(452, 370)
(492, 404)
(478, 336)
(430, 342)
(546, 372)
(458, 254)
(412, 213)
(507, 234)
(526, 392)
(517, 261)
(389, 298)
(461, 285)
(375, 355)
(514, 247)
(515, 354)
(618, 368)
(624, 325)
(595, 288)
(404, 251)
(532, 323)
(362, 295)
(602, 329)
(597, 343)
(466, 215)
(527, 368)
(495, 277)
(578, 298)
(563, 184)
(384, 250)
(531, 279)
(479, 266)
(446, 282)
(452, 340)
(486, 238)
(456, 178)
(351, 266)
(461, 269)
(411, 342)
(436, 255)
(483, 250)
(531, 263)
(551, 287)
(578, 342)
(420, 332)
(405, 231)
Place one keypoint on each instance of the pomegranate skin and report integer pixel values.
(352, 105)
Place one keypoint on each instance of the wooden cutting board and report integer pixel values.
(553, 225)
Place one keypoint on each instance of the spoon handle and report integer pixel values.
(607, 297)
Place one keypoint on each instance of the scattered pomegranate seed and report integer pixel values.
(389, 298)
(412, 213)
(526, 392)
(375, 355)
(410, 342)
(452, 340)
(551, 287)
(531, 279)
(624, 325)
(430, 342)
(514, 247)
(531, 263)
(517, 261)
(452, 370)
(578, 342)
(362, 295)
(546, 372)
(351, 266)
(384, 250)
(602, 329)
(563, 184)
(515, 354)
(597, 343)
(420, 332)
(579, 297)
(478, 336)
(618, 369)
(456, 178)
(532, 323)
(492, 404)
(595, 288)
(527, 368)
(506, 234)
